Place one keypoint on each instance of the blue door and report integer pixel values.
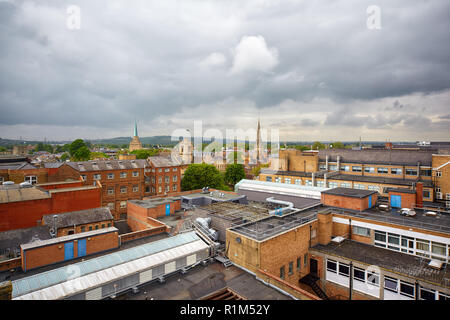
(168, 209)
(68, 250)
(396, 201)
(81, 247)
(370, 201)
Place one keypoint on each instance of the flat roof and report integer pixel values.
(261, 196)
(15, 193)
(216, 195)
(14, 238)
(400, 190)
(152, 203)
(349, 192)
(73, 189)
(72, 218)
(236, 211)
(397, 262)
(202, 281)
(273, 225)
(440, 223)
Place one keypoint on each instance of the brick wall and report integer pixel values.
(53, 253)
(352, 203)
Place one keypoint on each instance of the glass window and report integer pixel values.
(31, 179)
(110, 190)
(396, 171)
(345, 168)
(373, 278)
(382, 170)
(393, 238)
(356, 168)
(287, 180)
(298, 181)
(332, 184)
(83, 229)
(299, 263)
(427, 294)
(361, 231)
(332, 167)
(269, 179)
(320, 183)
(438, 248)
(390, 284)
(406, 289)
(97, 176)
(123, 189)
(423, 245)
(344, 269)
(369, 169)
(90, 228)
(346, 185)
(135, 173)
(411, 172)
(110, 175)
(135, 189)
(332, 266)
(359, 274)
(308, 183)
(291, 267)
(103, 226)
(123, 174)
(282, 272)
(425, 173)
(426, 193)
(305, 260)
(380, 236)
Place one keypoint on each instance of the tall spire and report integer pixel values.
(135, 128)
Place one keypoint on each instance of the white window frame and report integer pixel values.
(123, 188)
(123, 204)
(136, 189)
(83, 177)
(135, 174)
(123, 175)
(287, 180)
(110, 190)
(97, 176)
(31, 179)
(110, 176)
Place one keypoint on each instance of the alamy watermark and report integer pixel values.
(374, 18)
(73, 21)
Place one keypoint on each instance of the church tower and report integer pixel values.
(135, 143)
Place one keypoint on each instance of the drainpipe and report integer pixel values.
(350, 281)
(416, 293)
(350, 229)
(313, 176)
(310, 231)
(418, 169)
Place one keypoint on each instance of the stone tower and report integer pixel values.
(186, 151)
(135, 143)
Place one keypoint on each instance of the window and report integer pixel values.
(111, 190)
(320, 183)
(380, 236)
(166, 170)
(361, 231)
(291, 267)
(313, 233)
(373, 278)
(159, 179)
(282, 272)
(83, 229)
(103, 226)
(359, 274)
(425, 172)
(322, 166)
(1, 180)
(83, 176)
(393, 239)
(31, 179)
(110, 175)
(308, 183)
(135, 188)
(287, 180)
(332, 167)
(382, 170)
(344, 269)
(332, 184)
(153, 179)
(396, 171)
(411, 172)
(426, 193)
(96, 227)
(423, 245)
(305, 260)
(407, 289)
(438, 174)
(298, 181)
(369, 169)
(109, 224)
(166, 179)
(356, 168)
(97, 176)
(123, 204)
(160, 170)
(443, 296)
(90, 228)
(390, 284)
(269, 179)
(277, 179)
(174, 187)
(373, 188)
(427, 294)
(345, 168)
(346, 185)
(299, 263)
(147, 189)
(135, 173)
(123, 174)
(438, 248)
(331, 266)
(167, 188)
(111, 205)
(359, 186)
(175, 178)
(123, 189)
(159, 189)
(174, 169)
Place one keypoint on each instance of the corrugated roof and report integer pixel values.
(72, 218)
(96, 165)
(51, 278)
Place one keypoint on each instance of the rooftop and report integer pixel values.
(162, 161)
(152, 203)
(236, 211)
(15, 193)
(103, 165)
(273, 225)
(393, 261)
(14, 238)
(72, 218)
(440, 223)
(349, 192)
(23, 165)
(203, 281)
(216, 195)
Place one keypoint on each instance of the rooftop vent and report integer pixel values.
(436, 264)
(338, 239)
(25, 185)
(8, 183)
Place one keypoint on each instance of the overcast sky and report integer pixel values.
(312, 69)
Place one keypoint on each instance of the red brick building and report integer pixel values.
(121, 180)
(142, 213)
(24, 206)
(165, 176)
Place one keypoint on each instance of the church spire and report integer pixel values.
(135, 129)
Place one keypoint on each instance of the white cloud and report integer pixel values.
(213, 60)
(252, 54)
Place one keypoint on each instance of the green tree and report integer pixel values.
(95, 155)
(82, 154)
(317, 145)
(300, 147)
(64, 156)
(145, 153)
(75, 145)
(338, 145)
(234, 173)
(198, 176)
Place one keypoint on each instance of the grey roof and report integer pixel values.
(16, 166)
(12, 158)
(382, 180)
(402, 263)
(402, 190)
(14, 193)
(161, 161)
(14, 238)
(376, 156)
(68, 219)
(53, 164)
(348, 192)
(261, 196)
(96, 165)
(152, 203)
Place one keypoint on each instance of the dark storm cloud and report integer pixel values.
(152, 59)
